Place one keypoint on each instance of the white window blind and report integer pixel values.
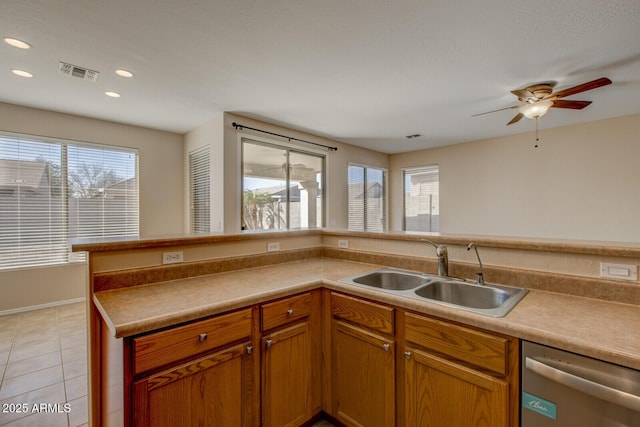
(367, 200)
(52, 190)
(422, 198)
(199, 183)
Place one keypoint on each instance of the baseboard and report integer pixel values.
(41, 306)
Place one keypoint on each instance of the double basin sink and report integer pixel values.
(491, 300)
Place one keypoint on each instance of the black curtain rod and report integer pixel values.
(239, 126)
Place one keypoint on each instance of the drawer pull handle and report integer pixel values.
(249, 349)
(202, 337)
(407, 355)
(269, 343)
(386, 347)
(290, 312)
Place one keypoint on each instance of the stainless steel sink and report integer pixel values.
(472, 296)
(489, 299)
(392, 279)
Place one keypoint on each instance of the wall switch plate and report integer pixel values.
(343, 244)
(619, 271)
(273, 246)
(172, 257)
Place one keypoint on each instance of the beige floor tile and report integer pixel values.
(5, 344)
(41, 419)
(79, 412)
(50, 394)
(72, 340)
(74, 353)
(32, 381)
(4, 356)
(35, 338)
(31, 364)
(27, 351)
(76, 387)
(74, 369)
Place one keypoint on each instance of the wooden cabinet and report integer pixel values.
(362, 362)
(291, 378)
(215, 390)
(202, 373)
(458, 376)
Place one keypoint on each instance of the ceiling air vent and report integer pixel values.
(80, 72)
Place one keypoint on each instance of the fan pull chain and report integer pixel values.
(537, 138)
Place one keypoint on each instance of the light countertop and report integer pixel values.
(604, 330)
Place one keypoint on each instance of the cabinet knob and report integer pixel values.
(249, 349)
(290, 312)
(386, 347)
(202, 337)
(407, 355)
(269, 343)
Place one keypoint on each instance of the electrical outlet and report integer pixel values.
(343, 244)
(172, 257)
(619, 271)
(273, 246)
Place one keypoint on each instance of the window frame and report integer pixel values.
(289, 147)
(404, 195)
(65, 208)
(385, 190)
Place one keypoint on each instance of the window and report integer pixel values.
(199, 183)
(53, 190)
(282, 187)
(421, 199)
(367, 204)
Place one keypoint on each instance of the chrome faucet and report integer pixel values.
(443, 258)
(480, 275)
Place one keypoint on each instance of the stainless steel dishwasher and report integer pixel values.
(562, 389)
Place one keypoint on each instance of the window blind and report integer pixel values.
(52, 190)
(422, 198)
(367, 199)
(199, 183)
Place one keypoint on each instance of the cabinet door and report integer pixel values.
(290, 391)
(441, 393)
(363, 378)
(215, 390)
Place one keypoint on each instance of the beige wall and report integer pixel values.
(581, 183)
(337, 161)
(161, 193)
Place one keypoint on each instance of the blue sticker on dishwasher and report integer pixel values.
(539, 405)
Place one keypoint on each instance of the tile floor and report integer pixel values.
(43, 362)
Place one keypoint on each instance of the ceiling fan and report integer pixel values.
(538, 98)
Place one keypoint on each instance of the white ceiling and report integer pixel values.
(366, 72)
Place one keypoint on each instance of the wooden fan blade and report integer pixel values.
(523, 94)
(574, 105)
(515, 119)
(493, 111)
(603, 81)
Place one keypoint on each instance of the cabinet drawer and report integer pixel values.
(368, 314)
(288, 310)
(485, 351)
(161, 348)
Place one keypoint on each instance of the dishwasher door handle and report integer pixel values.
(595, 389)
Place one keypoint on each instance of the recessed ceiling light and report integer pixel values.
(17, 43)
(112, 94)
(22, 73)
(124, 73)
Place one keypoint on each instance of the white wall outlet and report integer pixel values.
(619, 271)
(343, 244)
(172, 257)
(273, 246)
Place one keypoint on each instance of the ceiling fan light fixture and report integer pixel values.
(535, 110)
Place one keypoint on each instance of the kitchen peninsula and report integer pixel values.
(133, 296)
